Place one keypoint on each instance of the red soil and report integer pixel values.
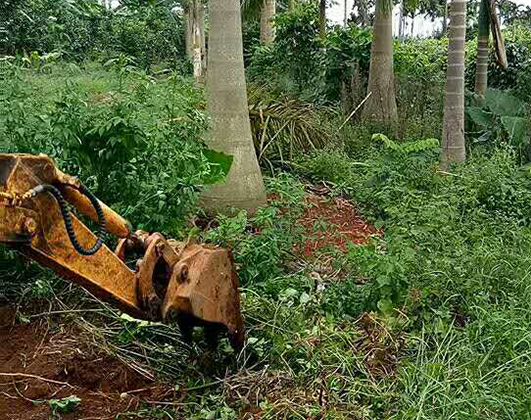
(37, 365)
(332, 223)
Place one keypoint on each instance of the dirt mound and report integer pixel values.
(37, 365)
(332, 223)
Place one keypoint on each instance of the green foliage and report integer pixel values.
(504, 118)
(149, 166)
(517, 76)
(408, 147)
(292, 62)
(64, 405)
(263, 243)
(78, 30)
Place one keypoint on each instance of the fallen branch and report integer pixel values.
(353, 112)
(40, 378)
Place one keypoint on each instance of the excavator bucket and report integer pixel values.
(204, 286)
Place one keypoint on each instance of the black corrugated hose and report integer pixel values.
(63, 205)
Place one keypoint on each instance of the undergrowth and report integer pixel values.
(430, 320)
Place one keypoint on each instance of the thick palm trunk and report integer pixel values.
(453, 139)
(381, 104)
(267, 29)
(227, 105)
(483, 51)
(322, 19)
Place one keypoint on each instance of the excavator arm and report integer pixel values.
(196, 283)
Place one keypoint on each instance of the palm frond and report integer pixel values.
(286, 128)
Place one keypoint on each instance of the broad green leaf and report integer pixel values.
(64, 405)
(503, 104)
(480, 117)
(517, 127)
(220, 165)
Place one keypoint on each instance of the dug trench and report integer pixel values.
(38, 366)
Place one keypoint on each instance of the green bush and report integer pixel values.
(149, 166)
(436, 226)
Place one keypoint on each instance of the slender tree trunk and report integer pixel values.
(267, 15)
(345, 20)
(361, 5)
(413, 26)
(322, 19)
(401, 21)
(194, 19)
(227, 105)
(201, 23)
(381, 105)
(453, 139)
(482, 60)
(445, 19)
(188, 31)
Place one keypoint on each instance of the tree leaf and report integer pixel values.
(220, 165)
(517, 128)
(503, 104)
(64, 405)
(480, 117)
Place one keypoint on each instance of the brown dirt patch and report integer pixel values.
(332, 223)
(37, 365)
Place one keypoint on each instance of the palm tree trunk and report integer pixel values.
(483, 51)
(345, 20)
(401, 21)
(322, 19)
(227, 105)
(267, 30)
(453, 139)
(381, 105)
(188, 31)
(363, 12)
(445, 19)
(201, 23)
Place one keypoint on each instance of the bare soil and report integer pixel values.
(37, 365)
(332, 223)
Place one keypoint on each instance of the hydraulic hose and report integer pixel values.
(65, 212)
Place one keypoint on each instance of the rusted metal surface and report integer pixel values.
(204, 284)
(197, 282)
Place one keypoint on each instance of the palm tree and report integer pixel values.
(381, 104)
(483, 50)
(194, 18)
(227, 105)
(266, 10)
(488, 22)
(322, 19)
(453, 139)
(267, 15)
